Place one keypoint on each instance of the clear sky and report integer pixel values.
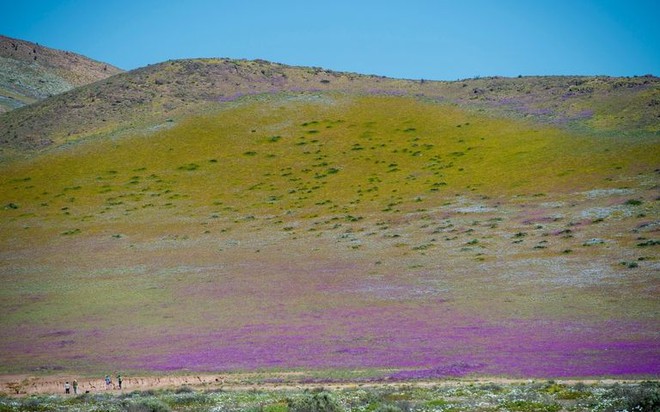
(442, 40)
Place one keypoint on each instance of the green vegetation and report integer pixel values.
(532, 397)
(197, 228)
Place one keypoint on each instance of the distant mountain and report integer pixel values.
(145, 98)
(30, 72)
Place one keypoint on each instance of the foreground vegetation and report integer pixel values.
(532, 396)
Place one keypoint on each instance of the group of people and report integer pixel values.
(67, 387)
(108, 384)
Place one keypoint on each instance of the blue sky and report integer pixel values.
(443, 40)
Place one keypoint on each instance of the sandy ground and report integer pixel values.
(21, 385)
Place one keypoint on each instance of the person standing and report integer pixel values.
(119, 380)
(67, 387)
(75, 387)
(108, 382)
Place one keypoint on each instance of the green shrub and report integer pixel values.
(314, 402)
(147, 405)
(276, 407)
(531, 406)
(189, 167)
(642, 398)
(437, 403)
(184, 389)
(388, 408)
(188, 398)
(570, 394)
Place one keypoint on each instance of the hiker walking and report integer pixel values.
(66, 388)
(75, 387)
(108, 382)
(119, 380)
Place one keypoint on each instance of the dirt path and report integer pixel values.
(21, 385)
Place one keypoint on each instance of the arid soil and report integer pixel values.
(54, 384)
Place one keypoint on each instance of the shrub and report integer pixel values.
(184, 389)
(147, 405)
(188, 399)
(642, 398)
(633, 202)
(388, 408)
(317, 402)
(189, 167)
(34, 403)
(277, 407)
(531, 406)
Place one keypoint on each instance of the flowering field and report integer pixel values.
(546, 396)
(329, 232)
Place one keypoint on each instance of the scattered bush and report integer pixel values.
(184, 389)
(531, 406)
(642, 398)
(391, 408)
(147, 405)
(189, 167)
(538, 396)
(314, 402)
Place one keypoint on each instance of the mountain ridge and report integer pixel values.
(151, 95)
(30, 72)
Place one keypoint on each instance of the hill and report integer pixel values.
(149, 97)
(30, 72)
(213, 215)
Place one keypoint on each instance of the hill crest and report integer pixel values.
(30, 72)
(144, 98)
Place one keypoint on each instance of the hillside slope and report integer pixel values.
(30, 72)
(147, 98)
(327, 230)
